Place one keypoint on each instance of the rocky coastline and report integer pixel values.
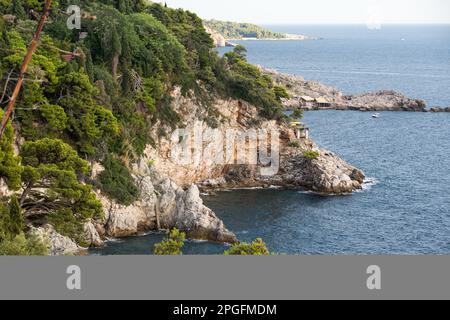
(220, 41)
(386, 100)
(439, 109)
(170, 192)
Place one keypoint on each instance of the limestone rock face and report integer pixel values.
(164, 203)
(4, 191)
(91, 236)
(59, 244)
(327, 174)
(199, 221)
(219, 40)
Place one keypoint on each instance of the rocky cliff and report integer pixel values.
(326, 173)
(218, 39)
(169, 196)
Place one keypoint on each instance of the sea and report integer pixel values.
(404, 208)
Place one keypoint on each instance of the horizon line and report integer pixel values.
(334, 23)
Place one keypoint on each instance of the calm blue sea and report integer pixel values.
(414, 60)
(406, 210)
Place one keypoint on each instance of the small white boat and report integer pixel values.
(376, 115)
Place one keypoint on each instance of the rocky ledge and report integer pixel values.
(382, 101)
(325, 174)
(439, 109)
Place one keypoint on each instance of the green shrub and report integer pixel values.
(117, 182)
(52, 178)
(10, 169)
(294, 144)
(11, 218)
(21, 245)
(171, 245)
(256, 248)
(297, 114)
(311, 155)
(55, 116)
(68, 225)
(281, 93)
(245, 81)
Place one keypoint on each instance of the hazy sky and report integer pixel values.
(320, 11)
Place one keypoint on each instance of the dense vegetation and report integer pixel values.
(235, 30)
(256, 248)
(95, 94)
(173, 244)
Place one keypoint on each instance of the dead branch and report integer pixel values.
(23, 70)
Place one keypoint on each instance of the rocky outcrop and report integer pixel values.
(373, 101)
(439, 109)
(218, 39)
(198, 221)
(91, 236)
(326, 174)
(298, 86)
(162, 204)
(383, 101)
(59, 244)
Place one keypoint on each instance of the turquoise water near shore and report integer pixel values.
(406, 208)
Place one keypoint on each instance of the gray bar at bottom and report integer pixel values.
(225, 278)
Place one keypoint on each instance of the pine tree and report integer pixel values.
(18, 10)
(11, 219)
(15, 216)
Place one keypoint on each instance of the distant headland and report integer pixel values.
(223, 32)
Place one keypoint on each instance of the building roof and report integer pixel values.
(322, 100)
(307, 98)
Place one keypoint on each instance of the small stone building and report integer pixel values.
(306, 102)
(323, 102)
(301, 131)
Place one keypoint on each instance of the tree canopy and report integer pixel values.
(96, 94)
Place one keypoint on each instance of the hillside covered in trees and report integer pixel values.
(235, 30)
(93, 95)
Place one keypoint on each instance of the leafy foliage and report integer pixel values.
(11, 219)
(67, 224)
(52, 181)
(256, 248)
(311, 155)
(21, 245)
(117, 182)
(10, 170)
(248, 83)
(171, 245)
